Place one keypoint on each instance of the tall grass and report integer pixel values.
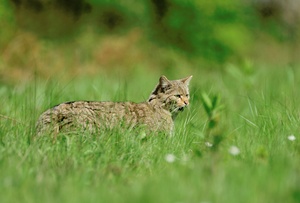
(261, 110)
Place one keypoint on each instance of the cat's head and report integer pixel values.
(172, 94)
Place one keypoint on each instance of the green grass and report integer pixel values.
(261, 109)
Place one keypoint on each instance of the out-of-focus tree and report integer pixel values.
(211, 30)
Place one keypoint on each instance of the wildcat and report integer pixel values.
(156, 114)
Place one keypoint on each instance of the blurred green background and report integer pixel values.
(70, 38)
(243, 55)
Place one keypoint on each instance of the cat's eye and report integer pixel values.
(187, 95)
(178, 95)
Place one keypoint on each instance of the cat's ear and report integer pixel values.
(187, 80)
(164, 82)
(160, 87)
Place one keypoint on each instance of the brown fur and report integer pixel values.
(156, 114)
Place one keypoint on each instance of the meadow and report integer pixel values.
(237, 142)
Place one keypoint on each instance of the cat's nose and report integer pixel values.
(186, 102)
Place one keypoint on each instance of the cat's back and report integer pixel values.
(77, 109)
(103, 107)
(93, 114)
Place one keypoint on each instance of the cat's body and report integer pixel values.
(156, 114)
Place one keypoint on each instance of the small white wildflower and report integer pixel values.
(234, 150)
(208, 144)
(170, 158)
(292, 137)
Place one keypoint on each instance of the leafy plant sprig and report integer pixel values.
(212, 108)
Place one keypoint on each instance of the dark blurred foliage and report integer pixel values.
(212, 30)
(279, 18)
(189, 28)
(75, 7)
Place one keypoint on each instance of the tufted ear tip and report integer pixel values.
(187, 80)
